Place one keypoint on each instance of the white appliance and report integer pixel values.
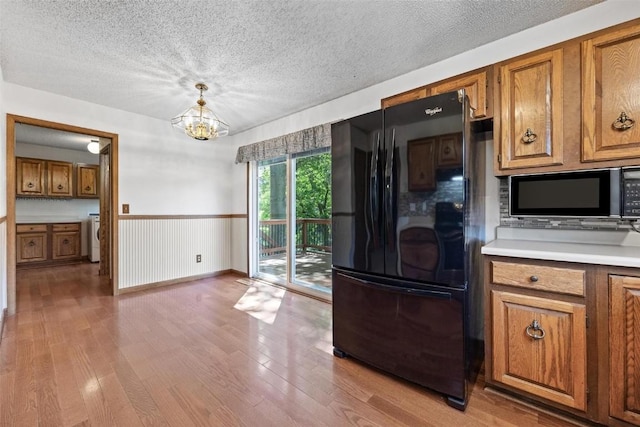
(94, 230)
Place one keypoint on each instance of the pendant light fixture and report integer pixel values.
(199, 122)
(94, 146)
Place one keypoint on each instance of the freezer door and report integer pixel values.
(417, 334)
(356, 152)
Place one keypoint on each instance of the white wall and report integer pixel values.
(597, 17)
(161, 171)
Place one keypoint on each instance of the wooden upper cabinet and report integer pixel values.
(87, 180)
(611, 95)
(401, 98)
(624, 347)
(450, 150)
(474, 83)
(60, 179)
(422, 168)
(539, 346)
(30, 174)
(475, 86)
(531, 111)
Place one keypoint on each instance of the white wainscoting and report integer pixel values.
(239, 242)
(158, 250)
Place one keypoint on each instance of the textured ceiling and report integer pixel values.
(262, 60)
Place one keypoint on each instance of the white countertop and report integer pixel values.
(47, 219)
(590, 247)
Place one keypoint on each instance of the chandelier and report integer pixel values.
(199, 122)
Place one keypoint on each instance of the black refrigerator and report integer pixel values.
(407, 225)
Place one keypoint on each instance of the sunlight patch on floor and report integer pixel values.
(261, 301)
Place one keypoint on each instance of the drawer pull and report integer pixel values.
(529, 136)
(623, 122)
(535, 331)
(65, 242)
(60, 187)
(30, 185)
(533, 278)
(32, 243)
(87, 188)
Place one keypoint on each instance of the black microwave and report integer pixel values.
(606, 193)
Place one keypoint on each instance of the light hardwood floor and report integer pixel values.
(209, 352)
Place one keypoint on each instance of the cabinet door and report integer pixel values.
(401, 98)
(31, 247)
(66, 244)
(611, 95)
(475, 87)
(531, 111)
(87, 181)
(422, 172)
(450, 150)
(539, 346)
(624, 345)
(30, 177)
(60, 179)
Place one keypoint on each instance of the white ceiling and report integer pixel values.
(262, 60)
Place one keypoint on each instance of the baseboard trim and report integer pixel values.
(146, 286)
(238, 273)
(3, 317)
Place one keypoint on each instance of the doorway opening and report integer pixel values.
(108, 203)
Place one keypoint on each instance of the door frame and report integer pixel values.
(110, 140)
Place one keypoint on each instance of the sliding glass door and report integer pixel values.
(271, 214)
(292, 226)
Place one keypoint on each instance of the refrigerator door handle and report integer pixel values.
(374, 190)
(390, 193)
(398, 289)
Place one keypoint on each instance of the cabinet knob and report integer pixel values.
(60, 187)
(87, 188)
(30, 185)
(535, 331)
(533, 278)
(623, 122)
(32, 243)
(529, 136)
(65, 242)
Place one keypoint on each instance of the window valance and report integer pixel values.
(295, 142)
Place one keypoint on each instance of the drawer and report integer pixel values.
(31, 228)
(66, 227)
(538, 277)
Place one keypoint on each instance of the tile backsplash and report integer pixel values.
(549, 222)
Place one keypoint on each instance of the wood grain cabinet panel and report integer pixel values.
(30, 177)
(611, 92)
(450, 150)
(422, 169)
(31, 247)
(624, 345)
(401, 98)
(539, 346)
(60, 179)
(531, 111)
(475, 86)
(87, 180)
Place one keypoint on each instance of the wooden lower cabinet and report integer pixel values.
(47, 243)
(566, 335)
(31, 243)
(624, 347)
(539, 346)
(65, 239)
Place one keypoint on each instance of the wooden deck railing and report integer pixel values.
(311, 233)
